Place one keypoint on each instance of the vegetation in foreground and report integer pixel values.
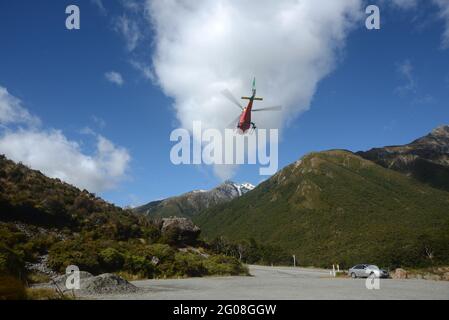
(251, 252)
(42, 216)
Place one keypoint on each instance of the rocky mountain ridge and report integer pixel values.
(425, 159)
(191, 203)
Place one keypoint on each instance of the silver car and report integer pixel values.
(366, 270)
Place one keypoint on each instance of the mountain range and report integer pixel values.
(425, 159)
(337, 207)
(387, 206)
(191, 203)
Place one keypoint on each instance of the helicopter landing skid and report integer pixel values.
(253, 128)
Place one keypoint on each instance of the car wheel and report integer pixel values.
(353, 275)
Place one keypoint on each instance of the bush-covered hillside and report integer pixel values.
(335, 207)
(40, 216)
(32, 198)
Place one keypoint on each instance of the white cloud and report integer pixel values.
(11, 111)
(58, 157)
(443, 6)
(444, 14)
(425, 100)
(131, 5)
(145, 69)
(130, 31)
(205, 46)
(405, 71)
(409, 87)
(114, 77)
(99, 122)
(87, 131)
(405, 4)
(99, 4)
(225, 171)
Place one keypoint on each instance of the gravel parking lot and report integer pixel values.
(273, 283)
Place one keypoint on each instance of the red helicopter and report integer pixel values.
(244, 120)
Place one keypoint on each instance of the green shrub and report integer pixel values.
(140, 265)
(37, 245)
(162, 251)
(82, 254)
(11, 262)
(224, 266)
(10, 235)
(190, 265)
(251, 252)
(111, 259)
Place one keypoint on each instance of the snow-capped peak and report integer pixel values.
(199, 191)
(244, 188)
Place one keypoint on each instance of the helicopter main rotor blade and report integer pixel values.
(276, 108)
(231, 98)
(233, 124)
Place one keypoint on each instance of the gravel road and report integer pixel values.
(273, 283)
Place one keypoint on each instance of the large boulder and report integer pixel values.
(446, 276)
(399, 274)
(430, 276)
(92, 285)
(60, 281)
(180, 230)
(107, 283)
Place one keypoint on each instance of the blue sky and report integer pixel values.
(387, 87)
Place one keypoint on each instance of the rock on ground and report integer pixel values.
(434, 277)
(60, 281)
(107, 283)
(182, 224)
(185, 230)
(41, 266)
(399, 274)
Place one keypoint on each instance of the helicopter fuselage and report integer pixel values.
(245, 117)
